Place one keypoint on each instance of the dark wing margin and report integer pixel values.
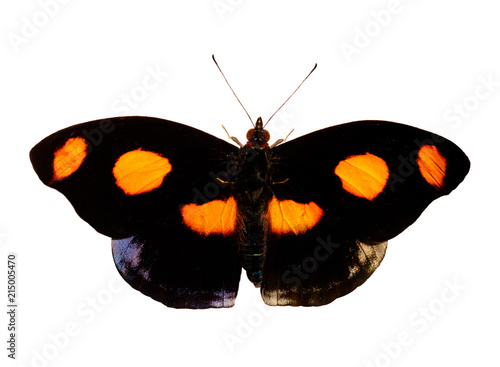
(348, 244)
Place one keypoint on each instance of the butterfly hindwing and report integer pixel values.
(370, 180)
(173, 266)
(139, 180)
(316, 267)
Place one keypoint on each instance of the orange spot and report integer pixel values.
(287, 216)
(69, 158)
(364, 175)
(140, 171)
(214, 217)
(432, 165)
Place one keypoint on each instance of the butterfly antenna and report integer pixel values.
(291, 94)
(218, 67)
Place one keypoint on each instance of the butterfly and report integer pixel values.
(308, 219)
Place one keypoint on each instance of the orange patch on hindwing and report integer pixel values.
(432, 165)
(140, 171)
(288, 216)
(363, 175)
(214, 217)
(69, 158)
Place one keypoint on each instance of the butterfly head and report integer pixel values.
(258, 137)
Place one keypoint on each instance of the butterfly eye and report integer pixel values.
(266, 136)
(250, 134)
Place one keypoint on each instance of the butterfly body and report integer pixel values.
(252, 188)
(308, 219)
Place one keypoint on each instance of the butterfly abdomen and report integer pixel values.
(252, 241)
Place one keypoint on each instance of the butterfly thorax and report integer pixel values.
(253, 194)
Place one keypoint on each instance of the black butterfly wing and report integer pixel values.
(129, 178)
(372, 179)
(176, 267)
(195, 158)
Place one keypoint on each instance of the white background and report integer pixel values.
(76, 60)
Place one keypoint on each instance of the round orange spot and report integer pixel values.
(432, 165)
(214, 217)
(364, 175)
(69, 158)
(140, 171)
(288, 216)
